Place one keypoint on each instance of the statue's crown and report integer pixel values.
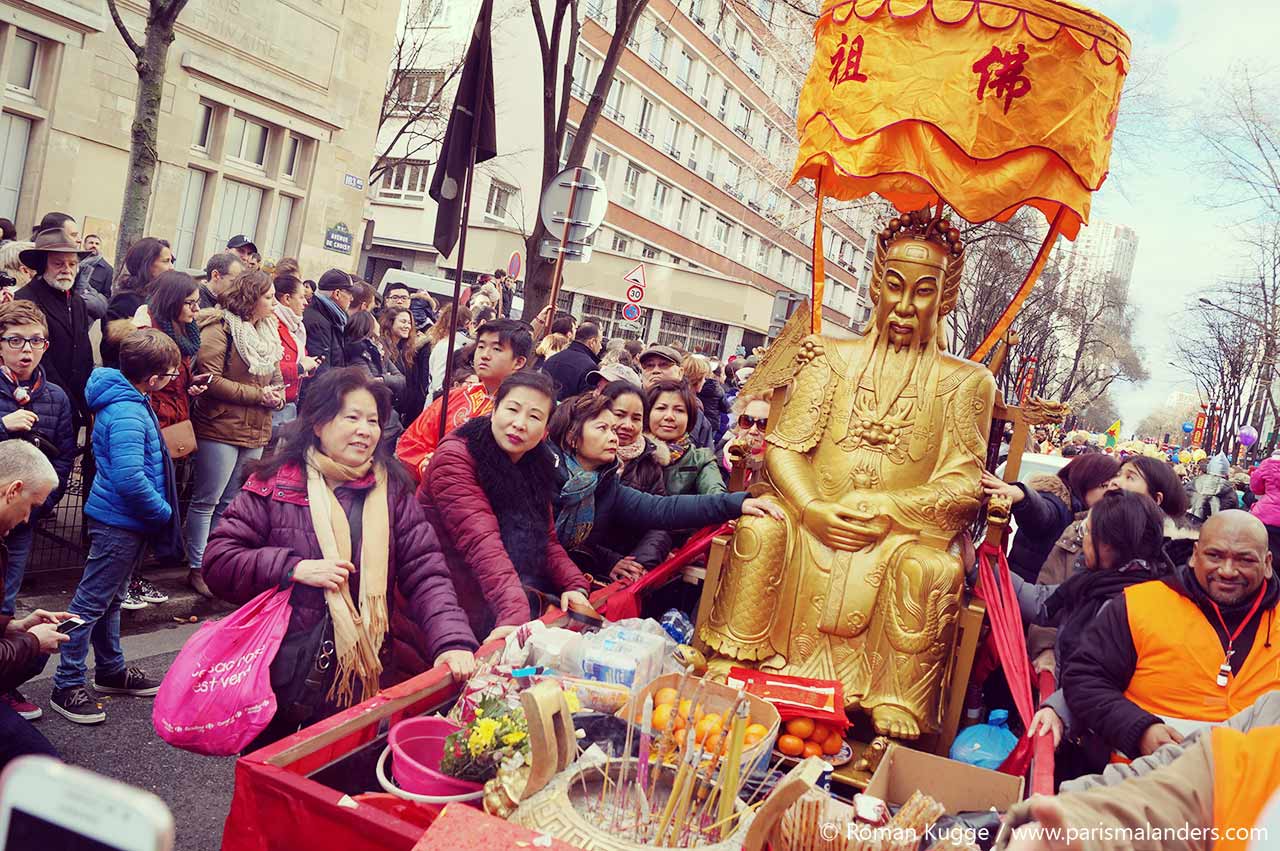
(923, 225)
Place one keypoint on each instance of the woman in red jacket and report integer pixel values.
(488, 494)
(291, 301)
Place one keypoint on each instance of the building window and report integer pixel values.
(184, 242)
(600, 164)
(15, 134)
(682, 214)
(569, 137)
(674, 129)
(204, 127)
(620, 243)
(500, 197)
(658, 49)
(647, 111)
(698, 336)
(631, 185)
(238, 212)
(292, 155)
(276, 248)
(416, 89)
(661, 192)
(608, 315)
(247, 141)
(720, 234)
(405, 181)
(649, 252)
(583, 78)
(684, 71)
(613, 104)
(22, 64)
(703, 213)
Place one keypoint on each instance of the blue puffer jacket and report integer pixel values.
(52, 408)
(129, 490)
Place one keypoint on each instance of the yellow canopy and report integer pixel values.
(984, 104)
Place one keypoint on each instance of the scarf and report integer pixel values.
(678, 448)
(293, 322)
(520, 495)
(1078, 600)
(188, 341)
(631, 451)
(259, 344)
(357, 632)
(576, 504)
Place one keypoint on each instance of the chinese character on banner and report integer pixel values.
(848, 55)
(1001, 73)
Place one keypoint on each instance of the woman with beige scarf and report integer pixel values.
(330, 517)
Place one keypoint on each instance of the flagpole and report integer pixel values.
(462, 238)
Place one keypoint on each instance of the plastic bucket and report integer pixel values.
(416, 745)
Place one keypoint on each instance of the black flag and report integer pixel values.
(473, 103)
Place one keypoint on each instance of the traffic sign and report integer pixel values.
(513, 265)
(636, 276)
(574, 251)
(631, 313)
(586, 191)
(634, 293)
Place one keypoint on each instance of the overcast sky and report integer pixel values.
(1159, 184)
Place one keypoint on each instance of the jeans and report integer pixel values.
(114, 553)
(19, 543)
(219, 472)
(17, 735)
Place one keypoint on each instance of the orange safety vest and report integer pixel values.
(1246, 772)
(1179, 654)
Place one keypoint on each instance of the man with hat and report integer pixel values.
(662, 363)
(600, 376)
(326, 319)
(69, 360)
(248, 252)
(220, 270)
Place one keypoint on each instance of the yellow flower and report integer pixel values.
(482, 736)
(514, 738)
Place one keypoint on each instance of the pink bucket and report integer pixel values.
(416, 747)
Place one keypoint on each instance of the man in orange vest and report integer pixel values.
(1211, 797)
(1193, 648)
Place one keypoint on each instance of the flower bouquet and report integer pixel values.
(496, 733)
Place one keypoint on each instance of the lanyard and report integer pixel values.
(1224, 671)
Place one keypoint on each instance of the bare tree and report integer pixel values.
(1243, 140)
(557, 87)
(150, 58)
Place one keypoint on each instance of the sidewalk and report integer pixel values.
(53, 593)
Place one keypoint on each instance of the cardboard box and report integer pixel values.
(958, 786)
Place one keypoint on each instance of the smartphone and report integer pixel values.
(202, 380)
(69, 624)
(46, 805)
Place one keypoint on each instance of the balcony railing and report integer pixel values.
(614, 115)
(645, 133)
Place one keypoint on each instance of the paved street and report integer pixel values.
(196, 788)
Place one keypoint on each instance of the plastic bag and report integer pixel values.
(217, 697)
(985, 745)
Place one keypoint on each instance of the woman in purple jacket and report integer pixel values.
(332, 515)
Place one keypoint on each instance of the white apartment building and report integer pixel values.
(695, 146)
(1102, 253)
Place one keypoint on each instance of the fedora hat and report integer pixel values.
(48, 241)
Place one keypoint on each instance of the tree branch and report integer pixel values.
(134, 47)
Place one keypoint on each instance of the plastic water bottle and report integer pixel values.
(677, 625)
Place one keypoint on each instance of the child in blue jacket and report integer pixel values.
(132, 501)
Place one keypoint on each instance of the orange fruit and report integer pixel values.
(715, 743)
(801, 727)
(812, 749)
(686, 706)
(820, 733)
(832, 745)
(790, 745)
(665, 696)
(755, 733)
(662, 716)
(708, 725)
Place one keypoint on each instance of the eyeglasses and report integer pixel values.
(746, 423)
(16, 343)
(171, 374)
(193, 303)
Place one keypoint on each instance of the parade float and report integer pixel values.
(821, 678)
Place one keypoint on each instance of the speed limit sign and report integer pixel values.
(634, 293)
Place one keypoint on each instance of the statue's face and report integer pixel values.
(910, 293)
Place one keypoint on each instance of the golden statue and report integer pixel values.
(877, 456)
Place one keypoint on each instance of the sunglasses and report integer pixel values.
(745, 422)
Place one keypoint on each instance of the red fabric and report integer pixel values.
(289, 363)
(1042, 758)
(624, 602)
(483, 574)
(419, 440)
(468, 829)
(995, 588)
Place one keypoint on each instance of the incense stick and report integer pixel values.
(682, 775)
(667, 742)
(729, 781)
(646, 724)
(619, 802)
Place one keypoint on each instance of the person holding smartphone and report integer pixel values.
(26, 480)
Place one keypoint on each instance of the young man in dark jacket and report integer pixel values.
(326, 320)
(569, 369)
(1190, 649)
(35, 410)
(26, 480)
(70, 358)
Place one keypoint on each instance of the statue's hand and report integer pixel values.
(842, 528)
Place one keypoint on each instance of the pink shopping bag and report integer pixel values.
(217, 695)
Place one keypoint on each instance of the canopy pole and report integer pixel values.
(819, 264)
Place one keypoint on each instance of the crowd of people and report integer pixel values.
(302, 420)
